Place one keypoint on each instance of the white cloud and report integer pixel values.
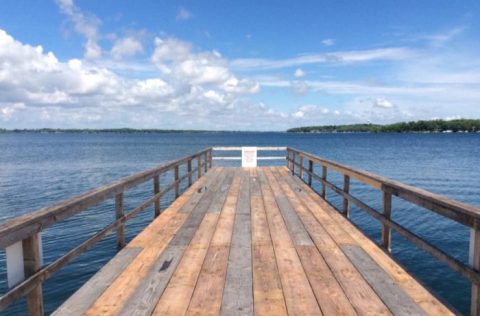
(382, 103)
(328, 42)
(197, 91)
(183, 14)
(346, 57)
(299, 73)
(126, 47)
(86, 25)
(178, 59)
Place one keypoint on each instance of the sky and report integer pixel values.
(236, 65)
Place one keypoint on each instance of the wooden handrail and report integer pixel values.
(462, 213)
(25, 228)
(458, 211)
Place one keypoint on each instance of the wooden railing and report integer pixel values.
(302, 164)
(241, 150)
(24, 231)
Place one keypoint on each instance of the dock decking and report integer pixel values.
(244, 241)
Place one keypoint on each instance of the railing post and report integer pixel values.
(288, 158)
(310, 171)
(210, 158)
(206, 162)
(294, 158)
(387, 210)
(324, 178)
(199, 167)
(346, 189)
(177, 184)
(301, 166)
(474, 260)
(32, 263)
(189, 170)
(119, 214)
(156, 190)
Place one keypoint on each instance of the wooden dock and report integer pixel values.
(244, 241)
(251, 241)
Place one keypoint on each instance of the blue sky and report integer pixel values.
(242, 65)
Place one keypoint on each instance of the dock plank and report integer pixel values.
(113, 299)
(392, 295)
(176, 297)
(360, 294)
(252, 241)
(327, 290)
(82, 299)
(207, 296)
(267, 287)
(299, 296)
(147, 294)
(237, 293)
(422, 297)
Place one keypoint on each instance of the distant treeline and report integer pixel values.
(434, 126)
(93, 131)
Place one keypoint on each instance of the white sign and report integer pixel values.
(15, 270)
(15, 266)
(249, 157)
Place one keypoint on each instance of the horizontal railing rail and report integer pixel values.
(232, 148)
(462, 213)
(24, 230)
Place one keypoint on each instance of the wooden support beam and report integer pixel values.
(301, 167)
(324, 178)
(310, 171)
(210, 158)
(177, 183)
(206, 162)
(156, 190)
(346, 189)
(199, 167)
(189, 170)
(32, 263)
(474, 260)
(288, 159)
(294, 158)
(387, 210)
(119, 212)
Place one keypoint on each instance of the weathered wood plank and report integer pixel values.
(474, 261)
(217, 205)
(146, 295)
(294, 224)
(119, 212)
(32, 263)
(156, 189)
(207, 296)
(82, 299)
(360, 294)
(154, 239)
(327, 290)
(267, 287)
(184, 204)
(346, 202)
(421, 296)
(176, 297)
(391, 294)
(387, 211)
(237, 293)
(299, 297)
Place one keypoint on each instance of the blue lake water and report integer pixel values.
(37, 170)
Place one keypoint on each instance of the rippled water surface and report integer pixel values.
(37, 170)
